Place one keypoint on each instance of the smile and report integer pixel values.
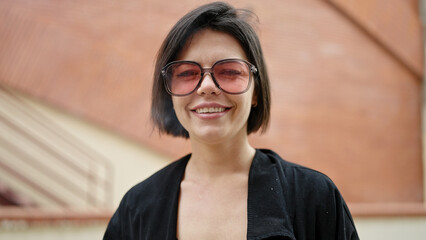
(210, 110)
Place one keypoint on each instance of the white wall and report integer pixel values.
(393, 228)
(131, 162)
(80, 231)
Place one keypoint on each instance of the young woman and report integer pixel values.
(211, 86)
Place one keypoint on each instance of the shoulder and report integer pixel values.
(311, 195)
(146, 203)
(292, 172)
(157, 185)
(302, 184)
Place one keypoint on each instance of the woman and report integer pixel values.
(211, 86)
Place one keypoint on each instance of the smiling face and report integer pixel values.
(208, 114)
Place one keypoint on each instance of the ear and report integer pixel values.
(254, 101)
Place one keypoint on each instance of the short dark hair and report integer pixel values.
(221, 17)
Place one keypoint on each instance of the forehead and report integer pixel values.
(208, 46)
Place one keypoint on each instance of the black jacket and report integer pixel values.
(285, 201)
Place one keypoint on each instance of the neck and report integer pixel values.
(213, 160)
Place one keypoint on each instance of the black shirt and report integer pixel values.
(285, 201)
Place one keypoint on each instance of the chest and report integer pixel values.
(213, 211)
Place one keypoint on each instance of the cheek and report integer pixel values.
(175, 105)
(245, 106)
(251, 99)
(179, 108)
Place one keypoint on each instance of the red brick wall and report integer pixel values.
(346, 80)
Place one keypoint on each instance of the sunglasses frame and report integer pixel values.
(252, 68)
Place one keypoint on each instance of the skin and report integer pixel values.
(213, 194)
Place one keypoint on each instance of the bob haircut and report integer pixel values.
(218, 16)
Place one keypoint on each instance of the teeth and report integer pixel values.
(210, 110)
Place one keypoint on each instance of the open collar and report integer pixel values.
(268, 214)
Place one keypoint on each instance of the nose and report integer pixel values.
(207, 85)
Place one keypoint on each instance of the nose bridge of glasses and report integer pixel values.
(212, 78)
(207, 70)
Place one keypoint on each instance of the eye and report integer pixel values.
(188, 73)
(230, 72)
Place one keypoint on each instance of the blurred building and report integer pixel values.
(75, 82)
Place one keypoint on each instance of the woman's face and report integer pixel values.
(208, 114)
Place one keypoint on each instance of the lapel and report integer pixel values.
(267, 209)
(167, 205)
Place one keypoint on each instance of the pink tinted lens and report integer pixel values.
(232, 76)
(183, 77)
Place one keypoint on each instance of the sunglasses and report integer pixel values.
(231, 76)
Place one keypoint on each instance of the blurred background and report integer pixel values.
(75, 83)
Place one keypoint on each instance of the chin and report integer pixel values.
(210, 136)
